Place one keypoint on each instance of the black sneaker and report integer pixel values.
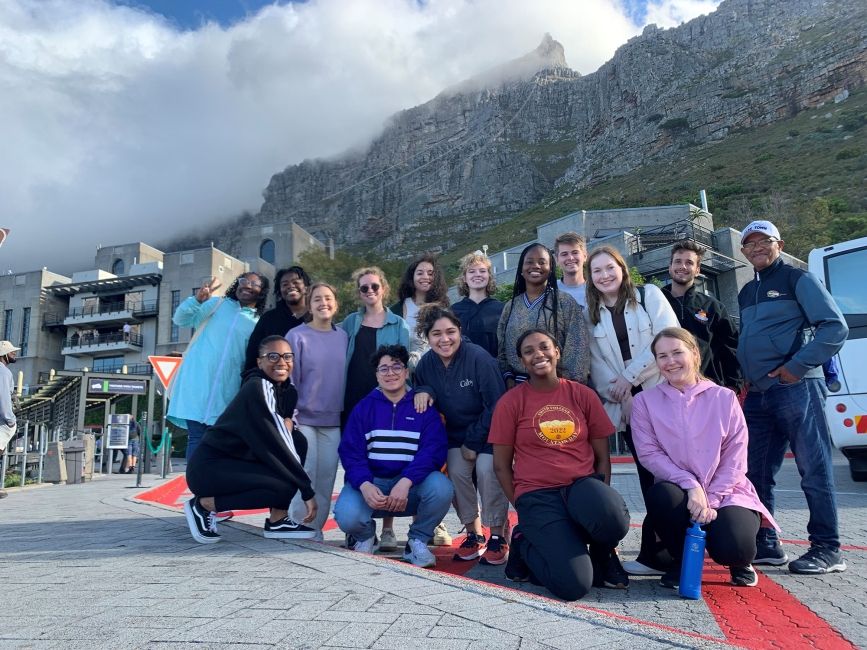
(769, 551)
(744, 576)
(607, 570)
(203, 525)
(516, 569)
(671, 579)
(818, 560)
(288, 528)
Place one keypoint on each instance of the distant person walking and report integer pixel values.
(210, 374)
(8, 421)
(479, 311)
(790, 326)
(290, 310)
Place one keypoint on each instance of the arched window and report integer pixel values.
(118, 267)
(266, 251)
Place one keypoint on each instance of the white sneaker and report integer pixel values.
(636, 568)
(388, 541)
(363, 545)
(441, 536)
(416, 552)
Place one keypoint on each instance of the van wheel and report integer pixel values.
(858, 475)
(858, 467)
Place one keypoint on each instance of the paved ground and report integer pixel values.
(87, 566)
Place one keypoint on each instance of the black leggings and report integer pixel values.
(650, 552)
(238, 484)
(559, 523)
(731, 537)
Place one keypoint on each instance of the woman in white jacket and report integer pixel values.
(622, 321)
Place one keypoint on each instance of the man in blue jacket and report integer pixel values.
(391, 458)
(790, 326)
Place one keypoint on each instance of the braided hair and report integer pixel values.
(551, 299)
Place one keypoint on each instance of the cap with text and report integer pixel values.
(764, 227)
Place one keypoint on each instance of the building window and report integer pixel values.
(266, 251)
(176, 301)
(107, 364)
(188, 258)
(118, 267)
(7, 325)
(25, 331)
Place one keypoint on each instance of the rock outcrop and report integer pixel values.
(494, 145)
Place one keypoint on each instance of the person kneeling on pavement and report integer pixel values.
(252, 456)
(392, 457)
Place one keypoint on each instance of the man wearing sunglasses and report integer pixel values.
(290, 310)
(790, 326)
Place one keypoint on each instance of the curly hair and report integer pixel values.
(297, 270)
(430, 313)
(398, 352)
(438, 291)
(476, 257)
(357, 274)
(625, 294)
(232, 291)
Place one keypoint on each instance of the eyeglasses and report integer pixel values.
(246, 282)
(366, 288)
(274, 357)
(396, 369)
(758, 243)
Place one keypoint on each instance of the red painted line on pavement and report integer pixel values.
(766, 615)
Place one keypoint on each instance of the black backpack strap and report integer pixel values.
(641, 296)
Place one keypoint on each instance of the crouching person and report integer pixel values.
(392, 457)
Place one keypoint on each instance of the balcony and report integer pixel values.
(89, 344)
(111, 313)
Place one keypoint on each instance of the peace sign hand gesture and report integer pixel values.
(207, 289)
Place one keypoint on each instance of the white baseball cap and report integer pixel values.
(765, 227)
(6, 347)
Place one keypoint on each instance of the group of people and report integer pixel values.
(482, 403)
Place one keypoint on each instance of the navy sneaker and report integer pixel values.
(516, 569)
(769, 551)
(817, 561)
(744, 576)
(608, 572)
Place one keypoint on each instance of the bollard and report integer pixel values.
(42, 446)
(24, 452)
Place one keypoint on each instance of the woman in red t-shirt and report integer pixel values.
(550, 438)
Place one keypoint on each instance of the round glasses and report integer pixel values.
(396, 369)
(247, 282)
(366, 288)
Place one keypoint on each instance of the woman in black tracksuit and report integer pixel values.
(252, 457)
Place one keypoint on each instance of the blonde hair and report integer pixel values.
(625, 294)
(357, 274)
(321, 285)
(476, 257)
(684, 336)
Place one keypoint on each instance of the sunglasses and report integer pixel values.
(274, 357)
(366, 288)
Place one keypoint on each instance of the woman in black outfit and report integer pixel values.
(252, 457)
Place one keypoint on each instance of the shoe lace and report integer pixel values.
(212, 522)
(471, 540)
(495, 544)
(816, 555)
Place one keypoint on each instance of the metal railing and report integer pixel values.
(136, 307)
(85, 340)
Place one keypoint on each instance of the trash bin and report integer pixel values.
(73, 450)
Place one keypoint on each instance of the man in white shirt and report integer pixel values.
(8, 422)
(571, 252)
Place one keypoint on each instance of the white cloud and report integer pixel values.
(671, 13)
(117, 127)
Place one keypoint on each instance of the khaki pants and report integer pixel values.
(495, 506)
(6, 434)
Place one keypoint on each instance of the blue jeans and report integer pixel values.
(794, 414)
(195, 431)
(429, 501)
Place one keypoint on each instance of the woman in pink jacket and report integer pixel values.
(691, 434)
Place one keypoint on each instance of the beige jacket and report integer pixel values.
(606, 362)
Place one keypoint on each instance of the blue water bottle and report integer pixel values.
(693, 563)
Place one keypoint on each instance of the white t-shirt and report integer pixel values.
(411, 310)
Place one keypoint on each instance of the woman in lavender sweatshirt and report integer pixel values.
(319, 373)
(691, 435)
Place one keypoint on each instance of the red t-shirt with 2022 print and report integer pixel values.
(551, 432)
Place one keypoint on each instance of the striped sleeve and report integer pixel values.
(271, 403)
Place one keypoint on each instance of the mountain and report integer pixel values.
(496, 145)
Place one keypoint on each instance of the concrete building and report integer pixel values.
(644, 236)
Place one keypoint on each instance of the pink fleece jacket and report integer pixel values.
(697, 438)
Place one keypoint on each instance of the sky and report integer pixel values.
(131, 120)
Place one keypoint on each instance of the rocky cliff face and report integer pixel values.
(497, 144)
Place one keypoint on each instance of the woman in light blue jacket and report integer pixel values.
(210, 374)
